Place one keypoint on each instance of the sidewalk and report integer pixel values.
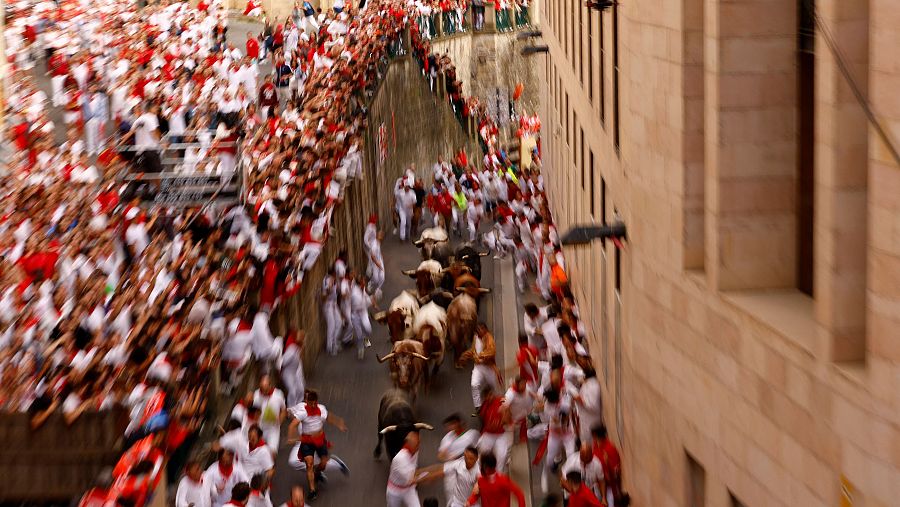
(507, 315)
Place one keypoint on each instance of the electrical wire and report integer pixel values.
(845, 71)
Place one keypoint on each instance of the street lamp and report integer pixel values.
(529, 50)
(600, 5)
(529, 34)
(584, 234)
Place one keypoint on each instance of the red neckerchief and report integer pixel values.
(313, 411)
(259, 443)
(226, 472)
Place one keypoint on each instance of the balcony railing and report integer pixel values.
(477, 19)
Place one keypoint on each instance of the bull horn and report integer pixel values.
(419, 243)
(482, 290)
(420, 356)
(467, 269)
(483, 254)
(410, 272)
(423, 426)
(446, 294)
(380, 317)
(388, 429)
(385, 358)
(424, 300)
(444, 270)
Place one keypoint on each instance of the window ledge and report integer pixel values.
(789, 312)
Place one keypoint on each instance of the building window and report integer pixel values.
(590, 23)
(806, 144)
(696, 486)
(615, 62)
(593, 171)
(580, 35)
(693, 204)
(581, 157)
(602, 69)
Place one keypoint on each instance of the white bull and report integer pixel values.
(429, 238)
(430, 328)
(400, 316)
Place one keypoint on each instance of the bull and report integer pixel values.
(462, 315)
(407, 364)
(430, 328)
(427, 276)
(429, 238)
(467, 283)
(467, 254)
(396, 418)
(399, 316)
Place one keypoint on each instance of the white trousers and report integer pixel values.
(403, 498)
(93, 135)
(483, 376)
(346, 322)
(272, 436)
(521, 274)
(587, 422)
(473, 229)
(362, 328)
(376, 279)
(555, 444)
(309, 255)
(499, 445)
(56, 84)
(405, 222)
(333, 323)
(294, 383)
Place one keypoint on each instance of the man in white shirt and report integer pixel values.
(273, 408)
(259, 458)
(460, 476)
(457, 439)
(310, 417)
(222, 476)
(401, 486)
(589, 466)
(193, 490)
(145, 130)
(590, 404)
(406, 202)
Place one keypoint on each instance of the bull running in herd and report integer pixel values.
(440, 312)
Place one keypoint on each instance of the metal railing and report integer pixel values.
(477, 19)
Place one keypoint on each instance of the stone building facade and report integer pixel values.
(748, 333)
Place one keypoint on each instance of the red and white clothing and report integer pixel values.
(221, 480)
(271, 405)
(401, 486)
(494, 435)
(312, 422)
(193, 493)
(591, 472)
(459, 481)
(258, 459)
(454, 445)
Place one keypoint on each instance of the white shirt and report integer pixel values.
(590, 408)
(403, 470)
(193, 494)
(258, 460)
(459, 481)
(520, 404)
(591, 472)
(455, 445)
(310, 424)
(143, 128)
(270, 407)
(220, 485)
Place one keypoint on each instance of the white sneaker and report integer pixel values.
(360, 354)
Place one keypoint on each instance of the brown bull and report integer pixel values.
(407, 364)
(427, 276)
(467, 283)
(462, 315)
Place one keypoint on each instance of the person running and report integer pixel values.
(310, 417)
(493, 488)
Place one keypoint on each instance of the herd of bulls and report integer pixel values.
(441, 312)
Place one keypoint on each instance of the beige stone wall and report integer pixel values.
(777, 395)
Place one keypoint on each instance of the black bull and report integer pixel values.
(396, 419)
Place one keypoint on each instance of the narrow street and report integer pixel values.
(352, 389)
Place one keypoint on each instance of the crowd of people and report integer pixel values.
(106, 301)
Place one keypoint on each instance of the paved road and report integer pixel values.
(352, 389)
